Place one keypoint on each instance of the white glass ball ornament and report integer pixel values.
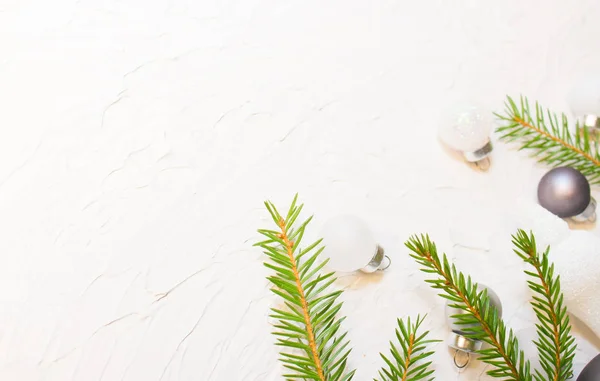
(577, 260)
(458, 339)
(467, 129)
(584, 101)
(351, 246)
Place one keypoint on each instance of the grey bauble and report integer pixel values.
(564, 191)
(591, 372)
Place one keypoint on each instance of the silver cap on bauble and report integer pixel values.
(565, 192)
(589, 124)
(591, 121)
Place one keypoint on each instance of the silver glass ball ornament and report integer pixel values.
(458, 339)
(591, 372)
(565, 192)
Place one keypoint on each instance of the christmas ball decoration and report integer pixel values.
(468, 131)
(351, 246)
(458, 338)
(584, 101)
(577, 260)
(591, 372)
(565, 192)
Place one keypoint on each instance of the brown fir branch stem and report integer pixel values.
(525, 124)
(289, 246)
(409, 351)
(555, 329)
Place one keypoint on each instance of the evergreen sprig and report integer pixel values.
(408, 355)
(480, 320)
(556, 347)
(308, 329)
(315, 347)
(549, 138)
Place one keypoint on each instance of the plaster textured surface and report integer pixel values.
(139, 139)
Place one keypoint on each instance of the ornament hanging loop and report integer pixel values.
(385, 266)
(465, 363)
(379, 262)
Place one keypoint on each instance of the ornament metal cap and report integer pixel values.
(463, 345)
(591, 121)
(380, 262)
(589, 214)
(591, 124)
(480, 157)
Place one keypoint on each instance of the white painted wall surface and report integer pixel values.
(139, 139)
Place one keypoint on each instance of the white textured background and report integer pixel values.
(139, 139)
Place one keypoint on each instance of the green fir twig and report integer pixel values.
(549, 138)
(556, 347)
(408, 355)
(308, 329)
(480, 320)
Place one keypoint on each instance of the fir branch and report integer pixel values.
(549, 139)
(308, 329)
(556, 346)
(481, 319)
(407, 361)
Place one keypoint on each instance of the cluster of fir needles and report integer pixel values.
(549, 138)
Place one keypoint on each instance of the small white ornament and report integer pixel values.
(351, 246)
(467, 129)
(584, 101)
(577, 261)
